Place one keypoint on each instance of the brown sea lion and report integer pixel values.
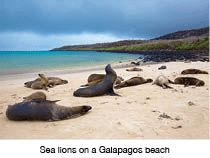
(133, 82)
(39, 84)
(186, 81)
(44, 79)
(96, 78)
(36, 95)
(56, 81)
(29, 83)
(134, 69)
(92, 83)
(42, 84)
(193, 71)
(162, 81)
(43, 110)
(101, 88)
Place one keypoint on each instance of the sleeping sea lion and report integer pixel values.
(96, 78)
(133, 81)
(92, 83)
(35, 95)
(29, 83)
(186, 81)
(134, 69)
(43, 110)
(136, 63)
(162, 67)
(101, 88)
(162, 81)
(38, 83)
(193, 71)
(56, 81)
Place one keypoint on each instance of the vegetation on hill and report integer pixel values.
(172, 45)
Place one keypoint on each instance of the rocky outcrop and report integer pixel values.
(169, 55)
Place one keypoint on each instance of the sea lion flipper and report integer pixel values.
(113, 94)
(84, 85)
(117, 87)
(51, 85)
(166, 86)
(45, 88)
(53, 101)
(37, 100)
(169, 87)
(169, 81)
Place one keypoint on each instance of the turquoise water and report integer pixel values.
(56, 60)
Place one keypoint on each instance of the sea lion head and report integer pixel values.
(64, 81)
(81, 109)
(149, 80)
(86, 108)
(200, 83)
(28, 84)
(41, 75)
(109, 69)
(76, 93)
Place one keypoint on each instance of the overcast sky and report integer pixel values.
(46, 24)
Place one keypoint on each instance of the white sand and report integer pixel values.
(133, 115)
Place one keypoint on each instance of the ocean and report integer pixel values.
(33, 61)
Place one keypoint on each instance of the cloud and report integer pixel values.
(115, 18)
(127, 17)
(28, 41)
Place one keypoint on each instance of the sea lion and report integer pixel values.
(43, 110)
(44, 79)
(162, 67)
(39, 84)
(42, 84)
(101, 88)
(193, 71)
(92, 83)
(186, 81)
(135, 63)
(96, 78)
(133, 82)
(134, 69)
(162, 81)
(35, 95)
(56, 81)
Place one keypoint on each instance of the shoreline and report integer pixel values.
(29, 74)
(149, 57)
(62, 60)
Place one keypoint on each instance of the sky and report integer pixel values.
(27, 25)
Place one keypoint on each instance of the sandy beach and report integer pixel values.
(135, 114)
